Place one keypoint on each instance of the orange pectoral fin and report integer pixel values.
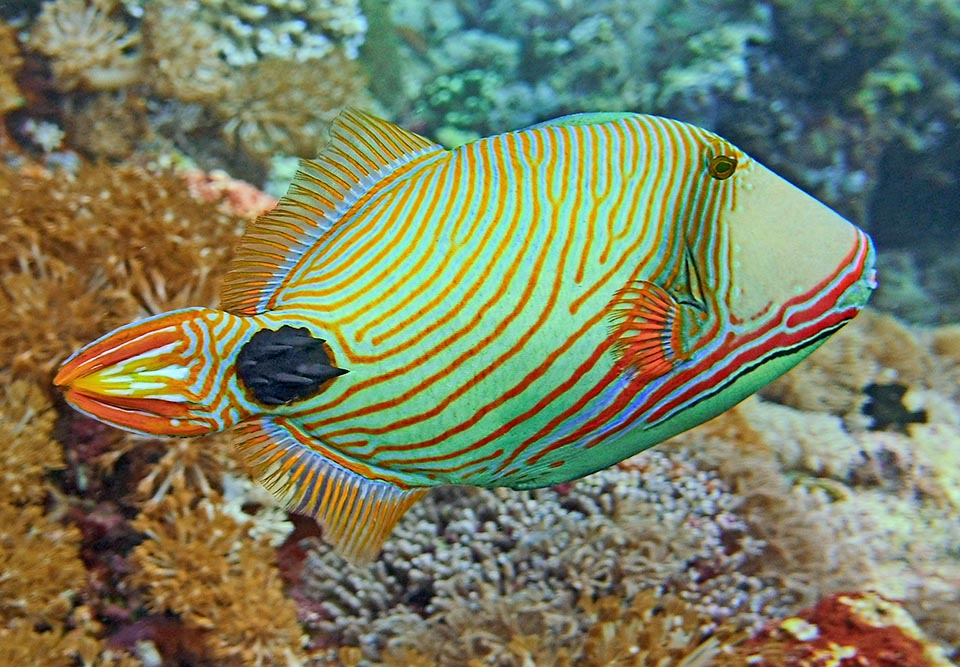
(645, 327)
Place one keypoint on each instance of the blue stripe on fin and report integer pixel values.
(363, 151)
(357, 514)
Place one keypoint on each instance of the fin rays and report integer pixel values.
(363, 150)
(645, 317)
(357, 514)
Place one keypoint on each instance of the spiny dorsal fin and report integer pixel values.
(362, 152)
(357, 513)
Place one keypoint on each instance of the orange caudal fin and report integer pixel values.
(357, 513)
(645, 321)
(151, 376)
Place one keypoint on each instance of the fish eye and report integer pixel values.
(722, 166)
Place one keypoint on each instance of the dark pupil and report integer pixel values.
(722, 166)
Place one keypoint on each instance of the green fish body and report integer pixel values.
(520, 311)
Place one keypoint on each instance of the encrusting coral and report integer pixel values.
(845, 630)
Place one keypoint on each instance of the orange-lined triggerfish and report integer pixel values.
(520, 311)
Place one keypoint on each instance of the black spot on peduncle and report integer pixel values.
(284, 365)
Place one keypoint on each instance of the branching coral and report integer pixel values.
(100, 249)
(10, 61)
(473, 566)
(202, 564)
(88, 46)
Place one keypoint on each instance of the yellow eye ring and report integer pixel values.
(722, 166)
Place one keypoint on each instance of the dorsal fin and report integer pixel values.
(362, 152)
(356, 513)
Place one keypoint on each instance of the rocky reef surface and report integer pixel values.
(813, 524)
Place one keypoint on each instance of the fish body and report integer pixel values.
(520, 311)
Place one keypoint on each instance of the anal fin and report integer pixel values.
(357, 513)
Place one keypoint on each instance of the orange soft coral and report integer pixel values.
(10, 61)
(99, 249)
(202, 564)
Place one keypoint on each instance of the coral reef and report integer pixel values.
(844, 629)
(88, 43)
(196, 558)
(856, 102)
(273, 107)
(43, 615)
(486, 562)
(255, 70)
(79, 251)
(10, 62)
(841, 478)
(882, 498)
(100, 248)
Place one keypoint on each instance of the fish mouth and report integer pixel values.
(857, 295)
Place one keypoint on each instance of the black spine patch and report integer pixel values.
(284, 365)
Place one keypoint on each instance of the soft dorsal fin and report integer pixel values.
(356, 513)
(362, 152)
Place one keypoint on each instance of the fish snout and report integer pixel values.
(790, 250)
(147, 377)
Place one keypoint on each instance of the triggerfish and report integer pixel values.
(519, 311)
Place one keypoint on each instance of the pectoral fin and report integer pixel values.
(646, 329)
